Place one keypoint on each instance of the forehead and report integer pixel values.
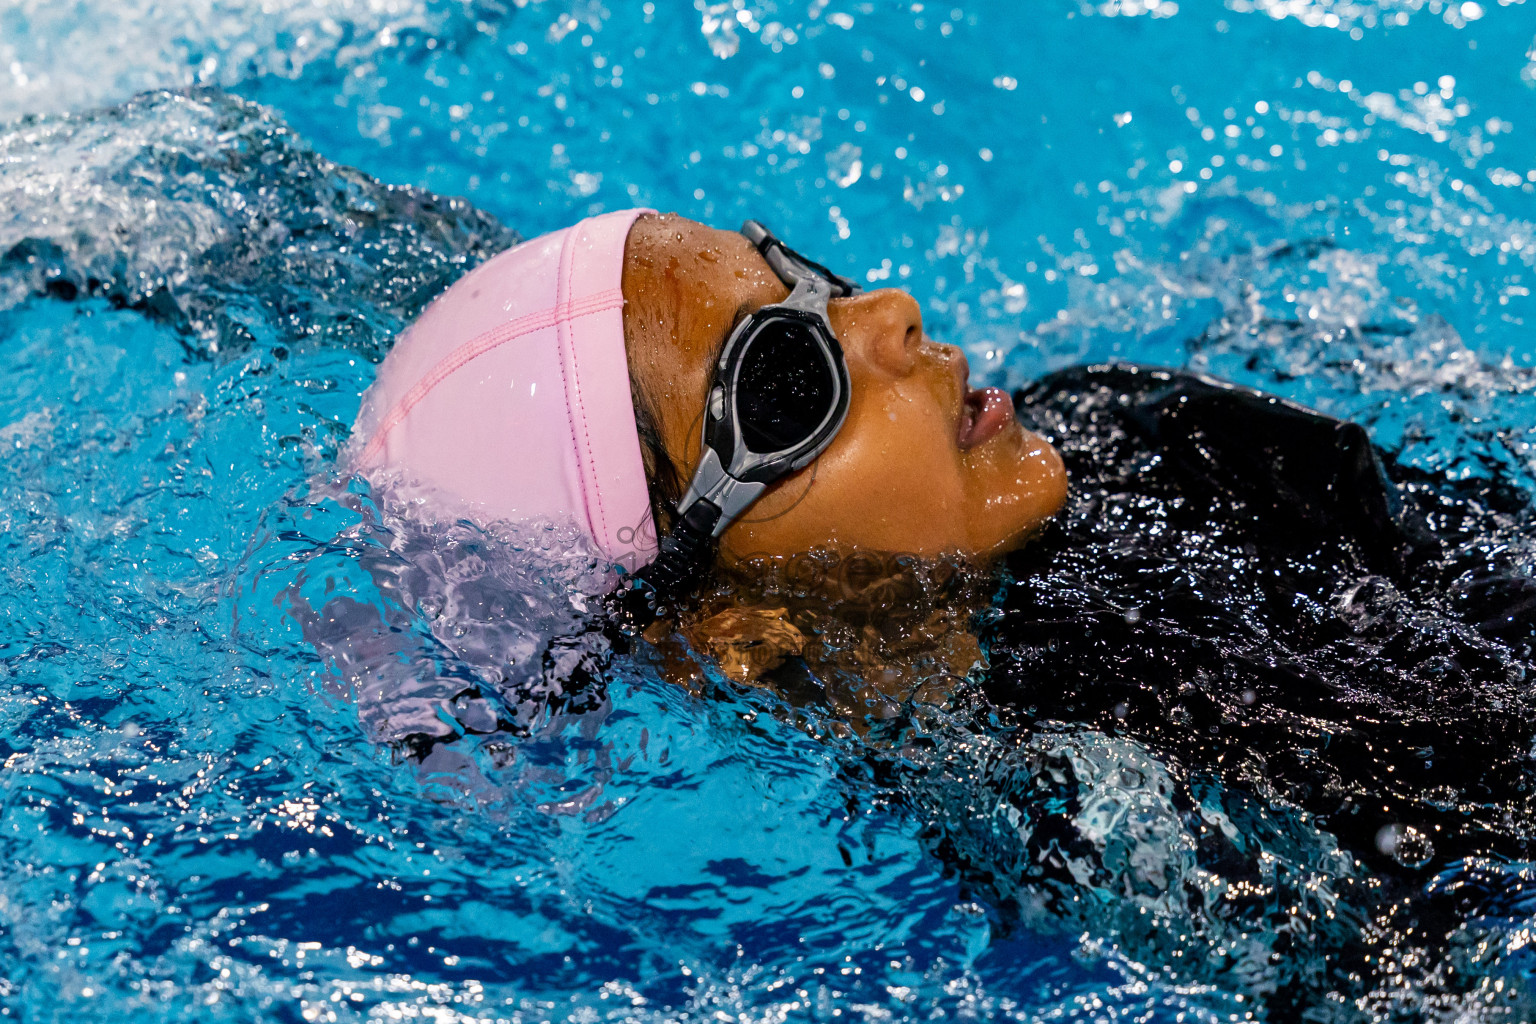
(689, 255)
(691, 281)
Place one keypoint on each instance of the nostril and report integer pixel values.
(884, 327)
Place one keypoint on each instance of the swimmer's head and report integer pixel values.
(922, 465)
(568, 377)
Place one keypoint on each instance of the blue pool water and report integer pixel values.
(195, 823)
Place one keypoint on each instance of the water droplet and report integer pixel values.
(1405, 844)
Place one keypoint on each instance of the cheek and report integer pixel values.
(899, 444)
(901, 424)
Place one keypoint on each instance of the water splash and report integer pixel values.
(210, 215)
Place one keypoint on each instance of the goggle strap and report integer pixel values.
(679, 564)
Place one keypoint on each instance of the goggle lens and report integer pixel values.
(785, 386)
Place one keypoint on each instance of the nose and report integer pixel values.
(882, 329)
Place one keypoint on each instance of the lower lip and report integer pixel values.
(984, 415)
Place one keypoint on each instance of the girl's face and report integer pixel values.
(922, 465)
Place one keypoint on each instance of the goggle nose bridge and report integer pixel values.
(793, 268)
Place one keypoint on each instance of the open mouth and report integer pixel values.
(983, 415)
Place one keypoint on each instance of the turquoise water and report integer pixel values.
(195, 819)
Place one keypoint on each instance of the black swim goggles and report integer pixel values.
(778, 398)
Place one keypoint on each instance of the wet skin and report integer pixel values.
(922, 466)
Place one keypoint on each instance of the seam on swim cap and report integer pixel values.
(591, 493)
(485, 342)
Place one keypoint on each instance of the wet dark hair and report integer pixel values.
(662, 480)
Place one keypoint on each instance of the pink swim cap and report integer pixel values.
(509, 397)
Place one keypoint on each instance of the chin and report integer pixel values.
(1034, 509)
(1012, 542)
